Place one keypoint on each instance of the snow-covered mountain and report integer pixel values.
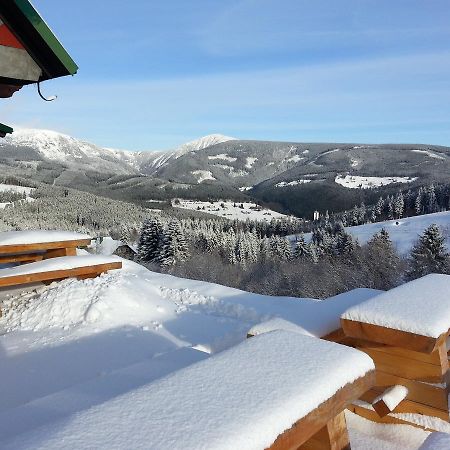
(301, 177)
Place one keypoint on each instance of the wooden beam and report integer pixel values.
(388, 400)
(42, 246)
(371, 415)
(407, 368)
(31, 257)
(57, 252)
(333, 436)
(54, 275)
(312, 423)
(389, 336)
(407, 406)
(437, 357)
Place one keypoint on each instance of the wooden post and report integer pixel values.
(333, 436)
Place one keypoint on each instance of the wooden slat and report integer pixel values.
(57, 252)
(333, 436)
(31, 257)
(58, 274)
(407, 406)
(369, 414)
(389, 336)
(406, 368)
(307, 427)
(42, 246)
(437, 357)
(426, 394)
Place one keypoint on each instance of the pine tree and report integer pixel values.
(149, 244)
(429, 254)
(174, 246)
(382, 262)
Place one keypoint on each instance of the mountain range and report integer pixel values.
(298, 177)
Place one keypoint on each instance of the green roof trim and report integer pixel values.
(43, 46)
(47, 35)
(5, 129)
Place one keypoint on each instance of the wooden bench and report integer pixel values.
(405, 331)
(60, 268)
(31, 246)
(280, 390)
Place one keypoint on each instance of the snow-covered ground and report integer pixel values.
(203, 175)
(292, 183)
(74, 345)
(231, 210)
(404, 232)
(18, 190)
(358, 182)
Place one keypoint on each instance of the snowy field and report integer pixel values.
(231, 210)
(18, 190)
(358, 182)
(73, 346)
(404, 232)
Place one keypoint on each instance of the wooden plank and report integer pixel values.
(371, 415)
(309, 425)
(406, 368)
(58, 274)
(42, 246)
(437, 357)
(21, 258)
(424, 393)
(389, 336)
(333, 436)
(57, 252)
(407, 406)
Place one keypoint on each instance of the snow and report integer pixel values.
(39, 236)
(201, 143)
(436, 441)
(393, 396)
(277, 324)
(107, 246)
(224, 157)
(430, 154)
(13, 188)
(245, 188)
(367, 435)
(359, 182)
(250, 161)
(227, 413)
(231, 210)
(60, 263)
(203, 175)
(404, 232)
(402, 308)
(76, 345)
(292, 183)
(296, 158)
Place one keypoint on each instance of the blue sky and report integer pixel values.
(159, 73)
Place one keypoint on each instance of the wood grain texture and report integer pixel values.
(55, 275)
(389, 336)
(42, 246)
(312, 423)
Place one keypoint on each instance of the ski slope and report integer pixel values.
(404, 232)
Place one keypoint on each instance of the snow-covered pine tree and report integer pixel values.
(174, 246)
(149, 243)
(429, 255)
